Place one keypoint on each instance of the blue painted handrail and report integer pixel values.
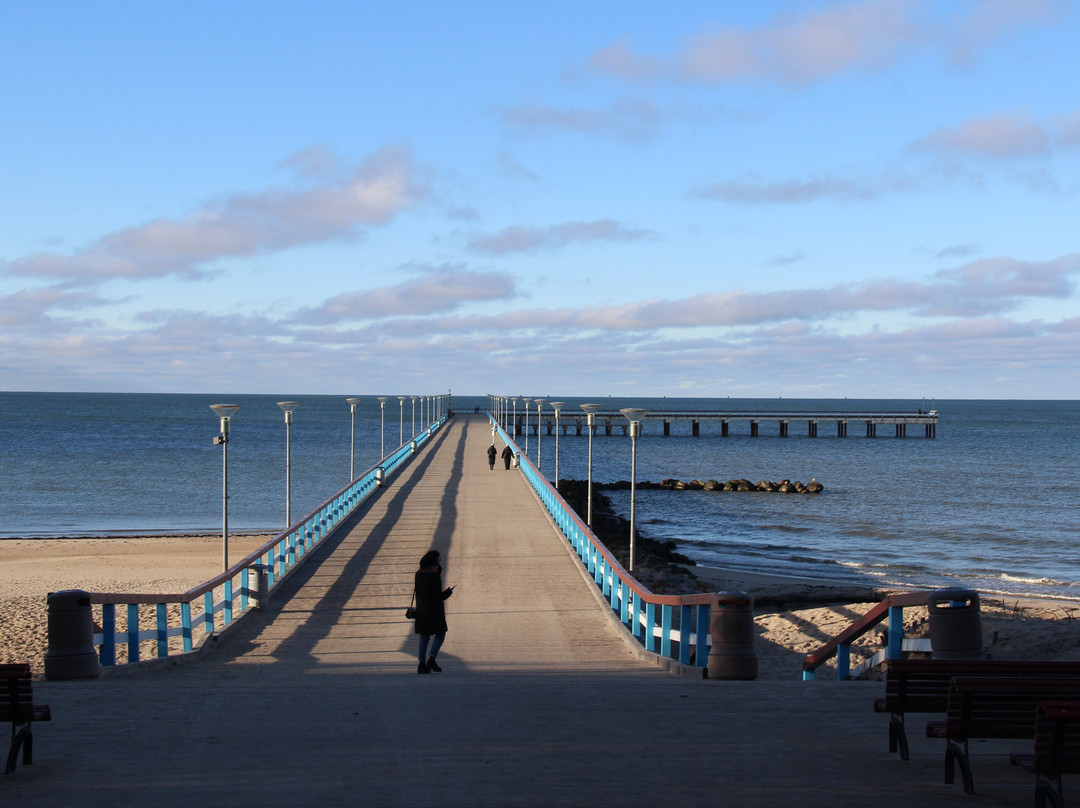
(648, 616)
(229, 596)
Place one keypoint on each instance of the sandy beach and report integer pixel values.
(793, 616)
(32, 568)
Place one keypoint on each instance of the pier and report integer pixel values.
(843, 423)
(546, 697)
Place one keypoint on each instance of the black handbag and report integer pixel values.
(410, 613)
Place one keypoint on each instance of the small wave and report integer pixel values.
(1023, 579)
(786, 528)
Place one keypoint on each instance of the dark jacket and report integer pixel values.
(430, 614)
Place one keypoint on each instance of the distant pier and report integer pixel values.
(755, 423)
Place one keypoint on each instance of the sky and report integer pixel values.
(874, 199)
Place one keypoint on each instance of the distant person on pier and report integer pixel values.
(491, 456)
(507, 456)
(430, 612)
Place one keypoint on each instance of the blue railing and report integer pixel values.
(673, 626)
(174, 628)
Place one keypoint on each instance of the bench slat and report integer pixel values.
(17, 706)
(995, 707)
(922, 686)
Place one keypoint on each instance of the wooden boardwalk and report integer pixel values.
(316, 701)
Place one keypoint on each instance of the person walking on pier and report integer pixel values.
(507, 456)
(491, 456)
(430, 612)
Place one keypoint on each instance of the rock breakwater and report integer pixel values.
(783, 487)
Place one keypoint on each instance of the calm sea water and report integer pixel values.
(991, 503)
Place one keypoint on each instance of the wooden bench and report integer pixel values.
(994, 707)
(922, 686)
(17, 706)
(1056, 750)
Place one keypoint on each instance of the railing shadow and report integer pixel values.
(322, 615)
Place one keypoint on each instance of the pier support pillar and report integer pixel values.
(783, 429)
(841, 429)
(901, 430)
(667, 428)
(931, 431)
(725, 429)
(871, 429)
(811, 429)
(695, 428)
(753, 429)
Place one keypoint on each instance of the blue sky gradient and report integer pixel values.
(866, 199)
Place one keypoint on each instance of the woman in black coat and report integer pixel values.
(430, 614)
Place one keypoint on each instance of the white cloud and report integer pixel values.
(754, 189)
(439, 290)
(523, 239)
(41, 308)
(816, 44)
(242, 225)
(630, 120)
(998, 136)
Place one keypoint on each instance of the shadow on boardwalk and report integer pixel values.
(316, 702)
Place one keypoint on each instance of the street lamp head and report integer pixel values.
(557, 406)
(634, 416)
(539, 402)
(225, 410)
(590, 408)
(382, 401)
(402, 399)
(288, 407)
(352, 402)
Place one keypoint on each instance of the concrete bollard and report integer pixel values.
(731, 623)
(262, 585)
(955, 624)
(71, 653)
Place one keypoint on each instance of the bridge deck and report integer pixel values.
(317, 700)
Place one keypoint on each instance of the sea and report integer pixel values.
(992, 503)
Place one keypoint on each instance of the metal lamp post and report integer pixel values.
(288, 407)
(539, 410)
(590, 411)
(401, 420)
(224, 412)
(382, 427)
(557, 406)
(413, 400)
(513, 430)
(352, 438)
(526, 402)
(634, 415)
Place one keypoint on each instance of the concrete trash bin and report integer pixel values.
(955, 624)
(731, 624)
(71, 653)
